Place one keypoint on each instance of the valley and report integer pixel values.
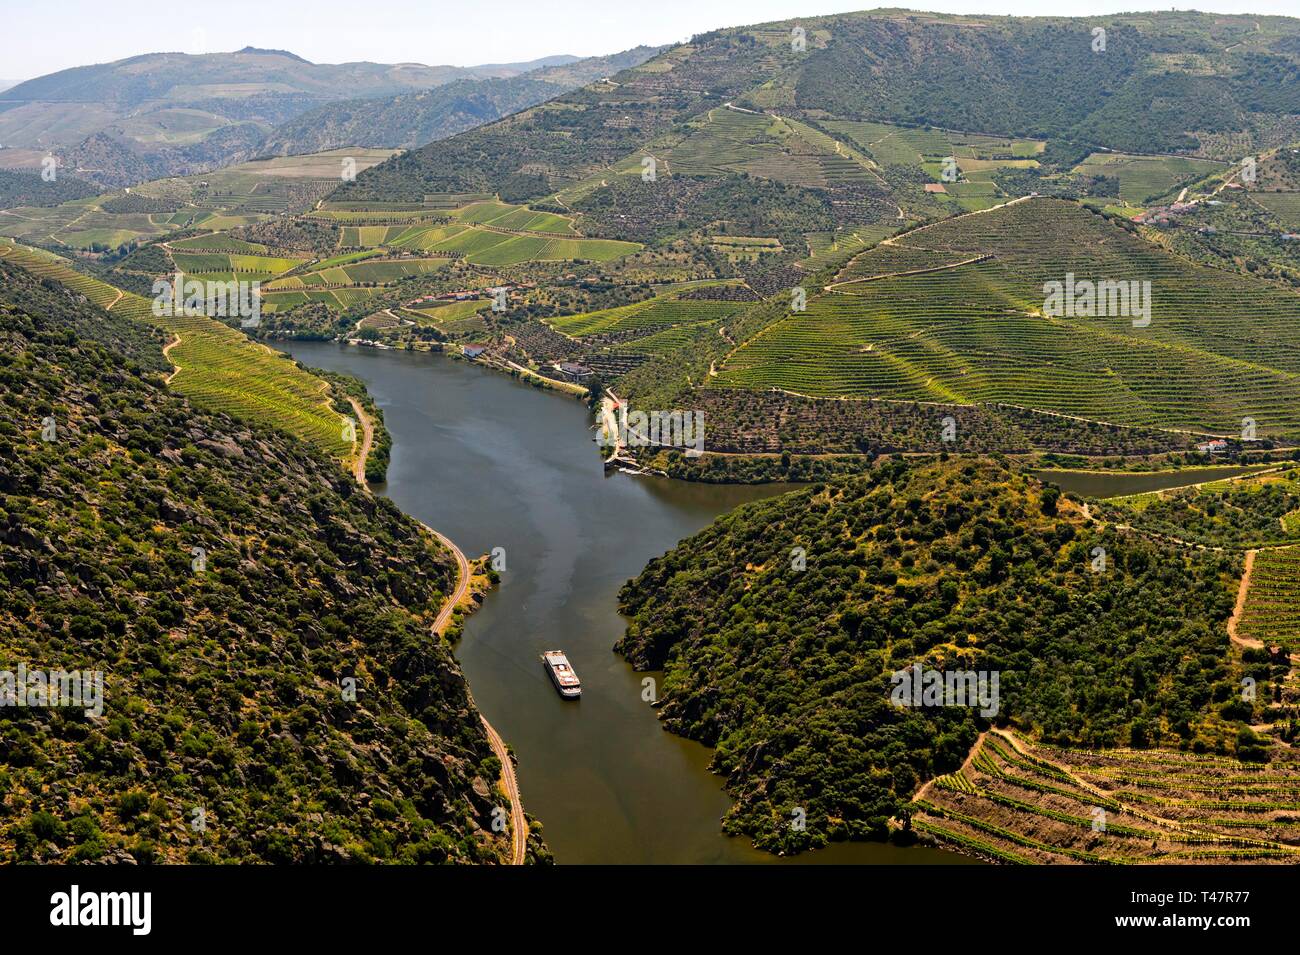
(993, 335)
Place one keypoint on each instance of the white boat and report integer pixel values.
(562, 675)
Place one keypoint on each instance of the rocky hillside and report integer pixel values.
(230, 585)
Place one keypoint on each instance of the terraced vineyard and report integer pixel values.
(218, 367)
(242, 194)
(1019, 803)
(379, 272)
(976, 156)
(727, 140)
(826, 247)
(1142, 178)
(220, 266)
(1284, 205)
(648, 316)
(339, 298)
(1272, 611)
(1219, 347)
(491, 244)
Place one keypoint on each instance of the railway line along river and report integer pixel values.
(492, 462)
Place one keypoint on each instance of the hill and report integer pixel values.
(784, 630)
(957, 311)
(227, 581)
(1166, 82)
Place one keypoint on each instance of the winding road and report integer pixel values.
(509, 783)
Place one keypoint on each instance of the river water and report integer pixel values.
(1116, 483)
(492, 463)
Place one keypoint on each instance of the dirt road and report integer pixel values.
(1240, 607)
(509, 783)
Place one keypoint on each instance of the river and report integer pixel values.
(1117, 483)
(492, 462)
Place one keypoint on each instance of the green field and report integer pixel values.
(238, 195)
(1284, 205)
(1272, 611)
(340, 298)
(728, 141)
(650, 315)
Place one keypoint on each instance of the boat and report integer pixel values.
(562, 675)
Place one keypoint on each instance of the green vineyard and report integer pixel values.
(648, 316)
(218, 367)
(1020, 804)
(1272, 612)
(1218, 347)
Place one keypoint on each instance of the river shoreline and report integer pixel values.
(495, 463)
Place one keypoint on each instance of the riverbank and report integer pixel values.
(495, 463)
(458, 599)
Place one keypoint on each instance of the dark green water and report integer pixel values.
(1116, 483)
(494, 463)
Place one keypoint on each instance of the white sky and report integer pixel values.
(42, 38)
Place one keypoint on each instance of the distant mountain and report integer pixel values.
(7, 84)
(173, 113)
(413, 119)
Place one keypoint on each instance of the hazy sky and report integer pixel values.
(42, 38)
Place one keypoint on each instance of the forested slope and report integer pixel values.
(227, 581)
(958, 565)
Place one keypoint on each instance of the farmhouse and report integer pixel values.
(472, 350)
(935, 187)
(575, 372)
(1217, 446)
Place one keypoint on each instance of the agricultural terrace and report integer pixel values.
(827, 247)
(487, 233)
(223, 267)
(338, 299)
(970, 329)
(645, 318)
(1284, 205)
(977, 157)
(224, 199)
(1019, 803)
(1143, 178)
(728, 141)
(1272, 611)
(217, 367)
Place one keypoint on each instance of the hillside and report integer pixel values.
(1166, 82)
(959, 565)
(413, 119)
(165, 114)
(956, 312)
(226, 580)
